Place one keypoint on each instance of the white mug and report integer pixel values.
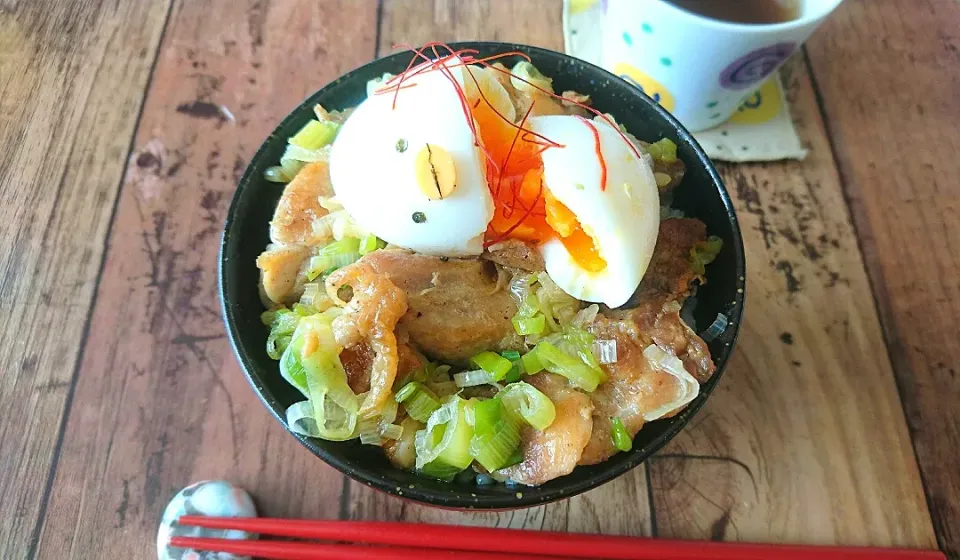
(698, 68)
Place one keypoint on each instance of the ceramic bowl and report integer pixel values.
(701, 195)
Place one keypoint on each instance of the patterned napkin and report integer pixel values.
(760, 130)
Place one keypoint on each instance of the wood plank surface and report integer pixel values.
(805, 439)
(72, 77)
(160, 401)
(888, 73)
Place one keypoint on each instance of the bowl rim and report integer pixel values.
(456, 500)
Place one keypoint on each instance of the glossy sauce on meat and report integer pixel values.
(370, 317)
(556, 450)
(457, 307)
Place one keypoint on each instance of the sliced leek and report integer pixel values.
(443, 447)
(527, 402)
(496, 434)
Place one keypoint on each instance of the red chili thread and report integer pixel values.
(578, 104)
(596, 143)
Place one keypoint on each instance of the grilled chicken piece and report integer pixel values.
(634, 386)
(280, 267)
(557, 450)
(456, 307)
(370, 317)
(299, 206)
(514, 253)
(357, 361)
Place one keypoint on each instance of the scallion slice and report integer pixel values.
(283, 323)
(443, 447)
(531, 362)
(529, 325)
(417, 400)
(619, 435)
(315, 135)
(370, 243)
(275, 174)
(391, 431)
(473, 378)
(496, 434)
(527, 402)
(574, 369)
(492, 363)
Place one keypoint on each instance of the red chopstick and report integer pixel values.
(519, 542)
(286, 550)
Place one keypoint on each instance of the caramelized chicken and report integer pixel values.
(514, 253)
(371, 316)
(280, 272)
(299, 206)
(556, 450)
(634, 390)
(457, 307)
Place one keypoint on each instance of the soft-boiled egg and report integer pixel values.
(606, 231)
(410, 171)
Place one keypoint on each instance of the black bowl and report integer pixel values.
(700, 195)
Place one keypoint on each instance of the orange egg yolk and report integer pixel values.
(522, 206)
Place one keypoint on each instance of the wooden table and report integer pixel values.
(836, 421)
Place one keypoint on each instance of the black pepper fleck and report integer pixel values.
(786, 338)
(419, 217)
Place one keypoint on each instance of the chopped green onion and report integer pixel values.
(443, 447)
(556, 361)
(516, 366)
(515, 459)
(335, 404)
(290, 166)
(369, 431)
(496, 434)
(619, 435)
(283, 323)
(492, 363)
(527, 402)
(529, 325)
(557, 306)
(529, 307)
(391, 431)
(417, 400)
(303, 310)
(473, 378)
(300, 419)
(315, 135)
(335, 255)
(290, 367)
(370, 243)
(663, 150)
(531, 362)
(580, 343)
(275, 174)
(704, 253)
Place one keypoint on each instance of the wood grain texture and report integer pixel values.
(620, 507)
(888, 73)
(160, 400)
(805, 439)
(72, 76)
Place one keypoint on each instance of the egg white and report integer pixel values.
(376, 182)
(623, 219)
